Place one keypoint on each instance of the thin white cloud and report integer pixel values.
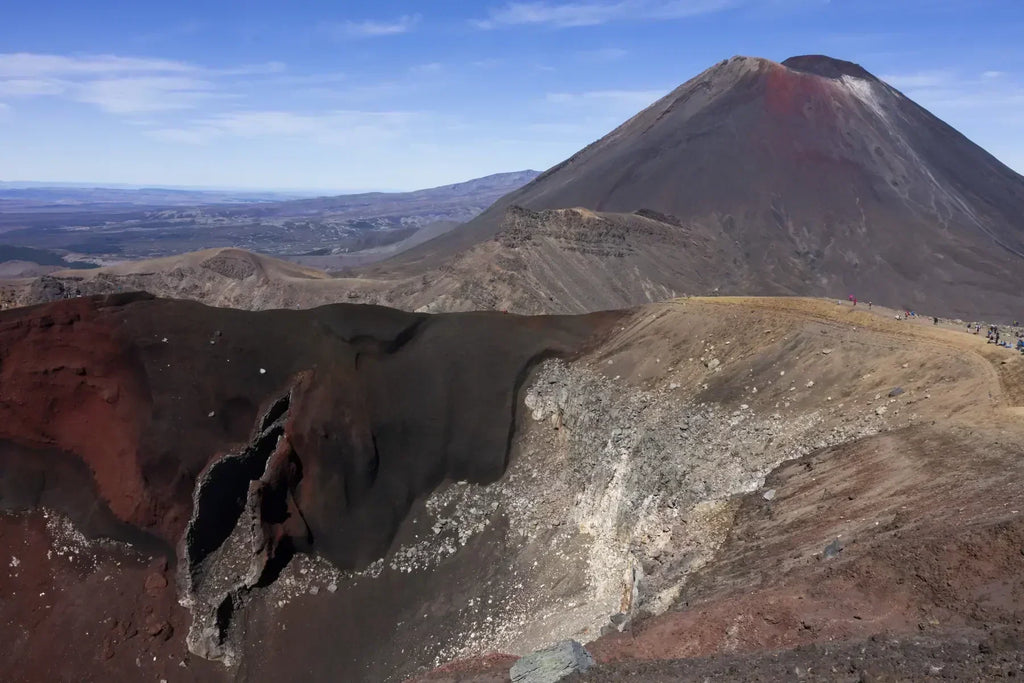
(32, 87)
(144, 94)
(596, 12)
(339, 127)
(371, 28)
(30, 65)
(120, 85)
(27, 65)
(919, 79)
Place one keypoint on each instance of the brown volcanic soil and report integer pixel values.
(931, 545)
(928, 580)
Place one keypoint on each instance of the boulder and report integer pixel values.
(552, 663)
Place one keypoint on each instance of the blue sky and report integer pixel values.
(401, 95)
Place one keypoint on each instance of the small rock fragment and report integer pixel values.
(832, 549)
(769, 494)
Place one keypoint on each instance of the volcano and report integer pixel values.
(807, 177)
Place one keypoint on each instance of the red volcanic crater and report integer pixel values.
(224, 441)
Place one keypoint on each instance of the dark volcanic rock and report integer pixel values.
(228, 440)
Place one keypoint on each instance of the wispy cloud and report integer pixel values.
(119, 85)
(596, 12)
(919, 79)
(371, 28)
(31, 65)
(31, 87)
(341, 127)
(144, 94)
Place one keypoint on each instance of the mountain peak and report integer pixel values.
(828, 67)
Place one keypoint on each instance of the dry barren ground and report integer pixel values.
(885, 541)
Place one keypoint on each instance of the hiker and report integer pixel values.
(935, 320)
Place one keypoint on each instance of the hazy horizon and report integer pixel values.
(20, 183)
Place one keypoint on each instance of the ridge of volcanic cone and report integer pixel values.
(828, 67)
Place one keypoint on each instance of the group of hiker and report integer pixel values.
(994, 335)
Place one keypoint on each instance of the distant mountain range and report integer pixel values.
(119, 223)
(27, 195)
